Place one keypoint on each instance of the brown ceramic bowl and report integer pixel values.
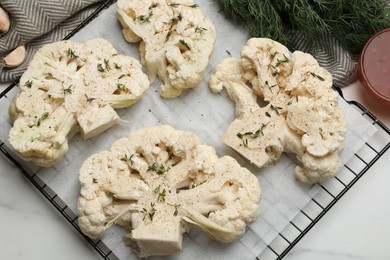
(374, 66)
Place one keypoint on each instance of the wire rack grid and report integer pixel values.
(330, 192)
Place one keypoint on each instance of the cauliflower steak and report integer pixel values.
(158, 182)
(176, 40)
(301, 114)
(70, 87)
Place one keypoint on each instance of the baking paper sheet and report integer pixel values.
(208, 115)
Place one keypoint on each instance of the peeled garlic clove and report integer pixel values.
(4, 21)
(15, 58)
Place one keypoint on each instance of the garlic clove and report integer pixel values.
(4, 21)
(15, 58)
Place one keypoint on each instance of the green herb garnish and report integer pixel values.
(71, 54)
(279, 62)
(160, 194)
(169, 33)
(28, 83)
(120, 86)
(273, 70)
(68, 90)
(158, 169)
(42, 118)
(153, 6)
(267, 84)
(208, 214)
(200, 30)
(145, 18)
(292, 99)
(149, 213)
(107, 64)
(89, 99)
(317, 76)
(185, 44)
(176, 208)
(276, 109)
(259, 132)
(100, 67)
(174, 5)
(123, 75)
(128, 158)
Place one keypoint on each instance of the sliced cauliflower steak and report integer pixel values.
(301, 114)
(176, 40)
(158, 182)
(70, 87)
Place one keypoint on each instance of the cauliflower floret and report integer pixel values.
(70, 87)
(270, 60)
(44, 140)
(158, 182)
(301, 114)
(321, 125)
(177, 40)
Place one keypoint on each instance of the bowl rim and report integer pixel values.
(361, 71)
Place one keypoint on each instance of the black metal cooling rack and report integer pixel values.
(330, 192)
(46, 191)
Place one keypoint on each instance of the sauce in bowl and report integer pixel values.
(374, 66)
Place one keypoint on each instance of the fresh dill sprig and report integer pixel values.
(351, 22)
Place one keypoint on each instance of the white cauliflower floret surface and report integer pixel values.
(176, 40)
(158, 183)
(67, 88)
(300, 113)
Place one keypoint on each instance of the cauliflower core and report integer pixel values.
(158, 182)
(70, 87)
(176, 40)
(301, 114)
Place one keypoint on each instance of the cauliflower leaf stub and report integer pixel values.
(67, 88)
(159, 182)
(176, 40)
(301, 113)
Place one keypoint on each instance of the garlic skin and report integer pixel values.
(4, 21)
(15, 57)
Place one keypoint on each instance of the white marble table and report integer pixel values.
(357, 227)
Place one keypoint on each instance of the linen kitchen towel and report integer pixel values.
(330, 55)
(38, 22)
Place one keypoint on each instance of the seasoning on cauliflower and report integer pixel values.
(176, 40)
(159, 182)
(301, 114)
(67, 88)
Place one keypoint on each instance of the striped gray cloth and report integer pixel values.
(330, 55)
(38, 22)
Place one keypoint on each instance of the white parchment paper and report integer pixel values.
(208, 115)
